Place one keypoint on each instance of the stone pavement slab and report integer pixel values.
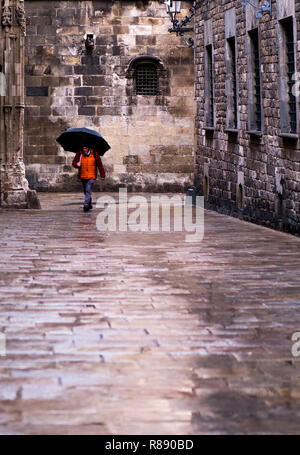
(143, 332)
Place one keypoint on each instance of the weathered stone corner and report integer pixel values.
(14, 190)
(33, 201)
(20, 199)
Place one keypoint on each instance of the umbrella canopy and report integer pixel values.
(74, 139)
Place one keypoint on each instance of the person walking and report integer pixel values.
(88, 161)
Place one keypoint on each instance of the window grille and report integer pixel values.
(210, 86)
(257, 81)
(290, 61)
(234, 93)
(146, 79)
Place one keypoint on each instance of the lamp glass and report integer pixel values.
(173, 6)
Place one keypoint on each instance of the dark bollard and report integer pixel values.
(190, 200)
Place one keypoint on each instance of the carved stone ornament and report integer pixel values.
(6, 19)
(20, 12)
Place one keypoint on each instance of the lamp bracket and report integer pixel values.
(180, 27)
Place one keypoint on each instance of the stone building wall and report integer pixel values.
(14, 190)
(254, 175)
(151, 137)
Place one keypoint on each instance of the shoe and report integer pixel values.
(86, 208)
(91, 206)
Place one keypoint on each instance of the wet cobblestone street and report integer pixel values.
(143, 332)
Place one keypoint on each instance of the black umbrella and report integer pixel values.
(74, 139)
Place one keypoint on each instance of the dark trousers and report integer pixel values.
(87, 189)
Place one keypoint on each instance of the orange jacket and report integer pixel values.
(89, 165)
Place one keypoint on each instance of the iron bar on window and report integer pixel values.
(231, 44)
(257, 81)
(146, 79)
(290, 60)
(210, 81)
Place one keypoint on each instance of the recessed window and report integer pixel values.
(239, 196)
(146, 79)
(255, 106)
(232, 90)
(209, 87)
(288, 112)
(147, 76)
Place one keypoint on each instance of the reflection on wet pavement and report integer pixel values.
(143, 332)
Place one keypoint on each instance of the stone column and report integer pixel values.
(14, 191)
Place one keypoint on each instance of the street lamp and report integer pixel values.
(173, 8)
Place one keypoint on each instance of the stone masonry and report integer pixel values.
(14, 190)
(68, 85)
(249, 174)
